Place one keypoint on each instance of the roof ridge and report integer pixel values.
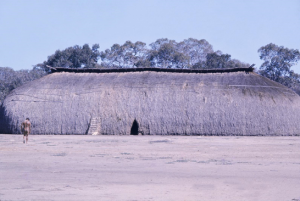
(172, 70)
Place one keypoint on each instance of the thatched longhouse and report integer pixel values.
(153, 101)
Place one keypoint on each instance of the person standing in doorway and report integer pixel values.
(26, 129)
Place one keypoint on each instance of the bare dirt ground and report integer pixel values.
(143, 168)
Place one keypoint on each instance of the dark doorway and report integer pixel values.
(134, 128)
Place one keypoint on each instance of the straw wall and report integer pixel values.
(162, 103)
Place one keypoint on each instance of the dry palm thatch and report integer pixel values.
(153, 102)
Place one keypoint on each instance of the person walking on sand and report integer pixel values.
(26, 129)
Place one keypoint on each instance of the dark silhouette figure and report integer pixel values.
(134, 128)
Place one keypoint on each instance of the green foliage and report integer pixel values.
(214, 60)
(219, 60)
(10, 79)
(128, 55)
(195, 50)
(165, 53)
(73, 57)
(278, 61)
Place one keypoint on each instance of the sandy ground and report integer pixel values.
(149, 168)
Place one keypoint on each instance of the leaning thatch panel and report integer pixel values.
(180, 103)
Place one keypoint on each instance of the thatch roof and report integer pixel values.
(153, 101)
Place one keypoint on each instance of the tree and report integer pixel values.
(277, 61)
(10, 79)
(89, 56)
(73, 57)
(164, 53)
(196, 50)
(214, 60)
(128, 55)
(190, 53)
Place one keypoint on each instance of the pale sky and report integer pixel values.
(32, 30)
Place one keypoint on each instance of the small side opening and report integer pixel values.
(134, 128)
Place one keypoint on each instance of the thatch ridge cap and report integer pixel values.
(171, 70)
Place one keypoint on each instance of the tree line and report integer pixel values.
(163, 53)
